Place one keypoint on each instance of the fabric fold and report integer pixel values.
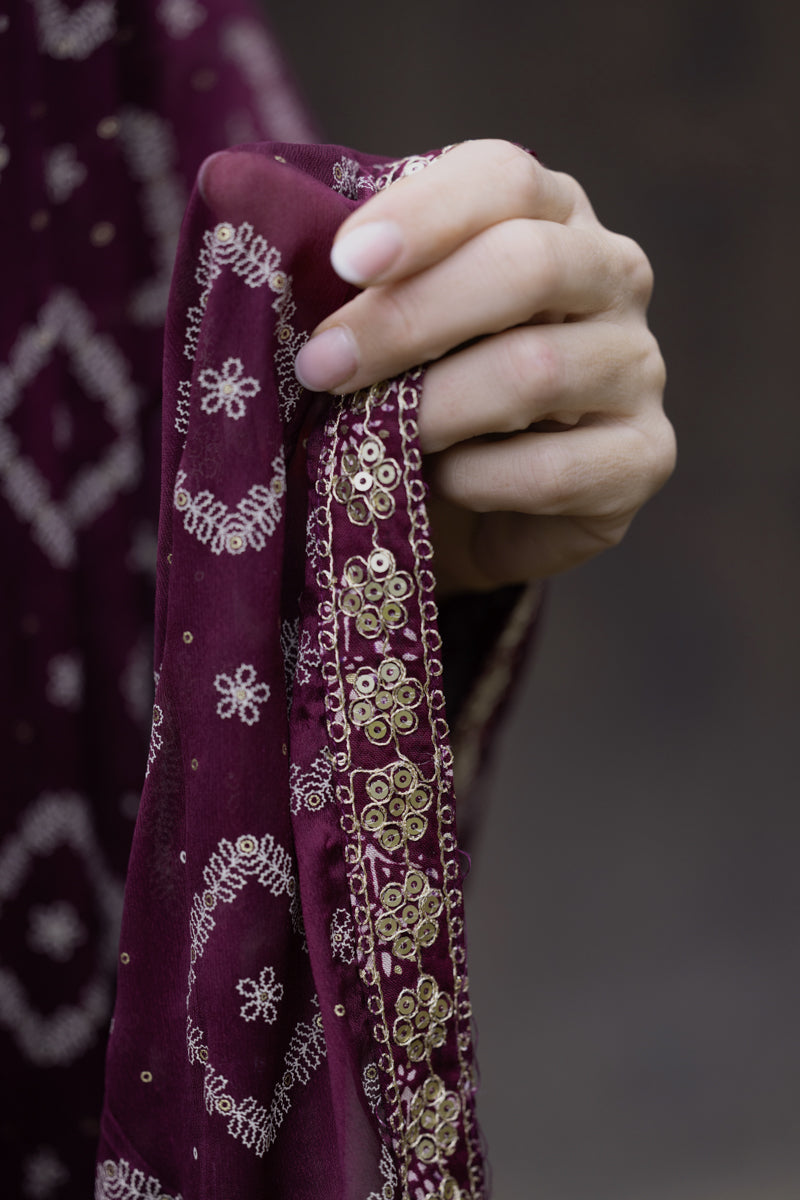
(293, 1012)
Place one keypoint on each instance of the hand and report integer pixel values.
(487, 244)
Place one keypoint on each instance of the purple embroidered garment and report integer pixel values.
(293, 1015)
(106, 112)
(292, 1005)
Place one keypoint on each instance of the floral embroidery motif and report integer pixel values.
(180, 17)
(55, 930)
(313, 788)
(254, 519)
(382, 702)
(62, 173)
(262, 996)
(241, 695)
(399, 802)
(227, 389)
(65, 681)
(343, 936)
(408, 918)
(118, 1180)
(258, 264)
(367, 483)
(373, 592)
(434, 1115)
(422, 1016)
(43, 1174)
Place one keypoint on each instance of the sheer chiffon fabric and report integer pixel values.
(293, 1014)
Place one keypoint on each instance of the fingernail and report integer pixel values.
(367, 251)
(328, 360)
(205, 166)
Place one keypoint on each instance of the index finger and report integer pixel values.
(424, 217)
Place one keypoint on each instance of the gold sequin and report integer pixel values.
(125, 958)
(339, 1009)
(146, 1076)
(188, 636)
(195, 764)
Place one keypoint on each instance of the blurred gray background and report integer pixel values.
(635, 907)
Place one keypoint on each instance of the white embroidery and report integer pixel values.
(389, 1176)
(227, 389)
(290, 645)
(156, 739)
(254, 519)
(64, 686)
(250, 256)
(104, 376)
(183, 406)
(350, 180)
(250, 1122)
(312, 788)
(231, 867)
(246, 44)
(62, 172)
(307, 658)
(62, 1035)
(343, 936)
(149, 147)
(241, 695)
(180, 17)
(55, 930)
(77, 34)
(43, 1174)
(262, 996)
(118, 1180)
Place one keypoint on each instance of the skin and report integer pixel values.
(541, 417)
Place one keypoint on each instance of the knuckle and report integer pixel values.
(635, 269)
(535, 373)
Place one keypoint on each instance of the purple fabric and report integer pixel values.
(273, 582)
(293, 1015)
(104, 119)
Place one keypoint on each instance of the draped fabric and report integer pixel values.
(105, 115)
(294, 905)
(293, 1013)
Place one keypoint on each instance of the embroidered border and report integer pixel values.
(383, 687)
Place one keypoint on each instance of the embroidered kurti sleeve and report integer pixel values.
(293, 1012)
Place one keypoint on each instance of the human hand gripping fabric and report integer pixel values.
(541, 416)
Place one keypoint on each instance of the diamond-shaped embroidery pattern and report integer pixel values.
(99, 367)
